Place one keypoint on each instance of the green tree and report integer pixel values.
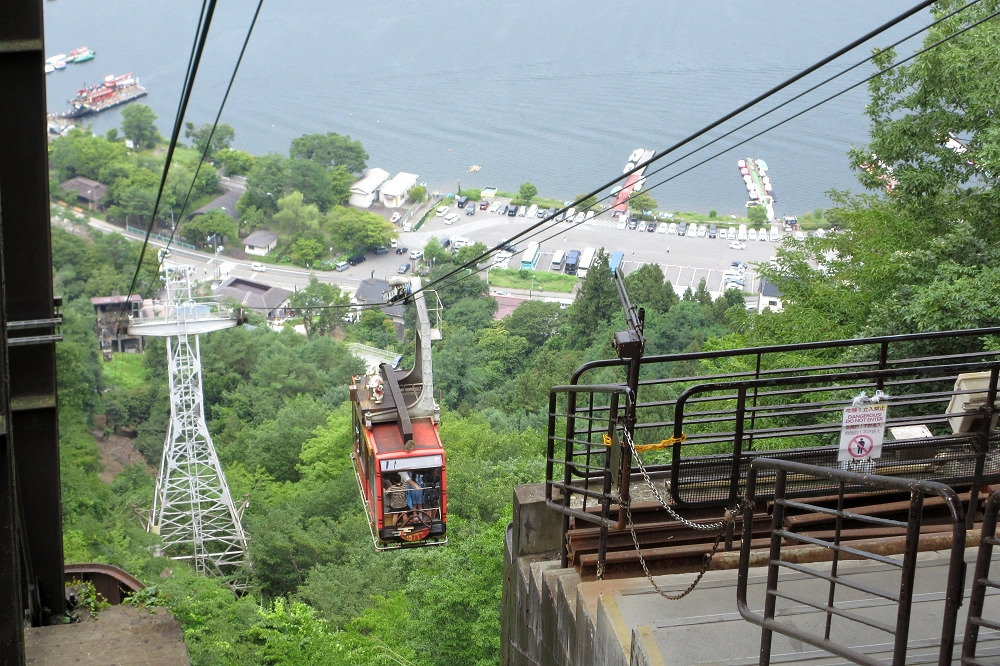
(458, 370)
(435, 253)
(417, 194)
(527, 191)
(588, 203)
(220, 139)
(757, 214)
(215, 221)
(320, 305)
(472, 313)
(377, 329)
(81, 154)
(596, 304)
(350, 229)
(330, 150)
(236, 162)
(306, 251)
(252, 219)
(642, 201)
(296, 217)
(535, 321)
(702, 295)
(265, 184)
(139, 125)
(647, 287)
(312, 180)
(712, 214)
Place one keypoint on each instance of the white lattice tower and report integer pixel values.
(193, 511)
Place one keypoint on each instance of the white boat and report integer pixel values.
(637, 187)
(49, 69)
(636, 154)
(767, 187)
(628, 167)
(747, 179)
(61, 64)
(761, 166)
(54, 59)
(741, 164)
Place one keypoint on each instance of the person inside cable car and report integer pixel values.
(414, 489)
(395, 500)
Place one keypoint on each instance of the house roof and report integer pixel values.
(400, 184)
(227, 202)
(768, 289)
(115, 300)
(371, 290)
(86, 188)
(253, 294)
(370, 181)
(260, 238)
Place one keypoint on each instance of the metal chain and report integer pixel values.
(697, 579)
(679, 518)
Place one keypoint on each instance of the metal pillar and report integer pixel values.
(193, 510)
(31, 557)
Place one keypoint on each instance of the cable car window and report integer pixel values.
(412, 462)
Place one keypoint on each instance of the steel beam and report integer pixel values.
(27, 295)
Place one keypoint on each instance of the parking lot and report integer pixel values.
(684, 260)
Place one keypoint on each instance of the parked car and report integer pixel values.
(662, 227)
(713, 231)
(461, 201)
(381, 250)
(737, 245)
(257, 266)
(393, 243)
(651, 227)
(702, 230)
(484, 205)
(672, 228)
(633, 223)
(579, 217)
(395, 217)
(503, 209)
(356, 259)
(549, 213)
(692, 230)
(416, 254)
(621, 223)
(441, 211)
(512, 211)
(752, 234)
(682, 229)
(470, 210)
(451, 219)
(403, 268)
(342, 266)
(731, 233)
(401, 250)
(494, 207)
(407, 227)
(762, 234)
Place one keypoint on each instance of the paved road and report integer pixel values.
(685, 261)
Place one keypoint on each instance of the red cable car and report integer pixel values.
(398, 458)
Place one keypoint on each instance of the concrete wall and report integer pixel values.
(550, 617)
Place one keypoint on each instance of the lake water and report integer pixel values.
(557, 93)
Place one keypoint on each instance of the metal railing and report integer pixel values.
(901, 596)
(709, 415)
(981, 582)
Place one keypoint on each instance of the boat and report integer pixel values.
(79, 51)
(60, 65)
(49, 69)
(112, 92)
(84, 57)
(628, 167)
(54, 59)
(741, 164)
(636, 154)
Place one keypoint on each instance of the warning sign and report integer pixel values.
(862, 431)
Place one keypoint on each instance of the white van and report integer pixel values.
(258, 267)
(533, 210)
(742, 235)
(557, 260)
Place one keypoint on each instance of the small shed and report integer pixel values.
(260, 242)
(394, 192)
(89, 191)
(770, 297)
(365, 191)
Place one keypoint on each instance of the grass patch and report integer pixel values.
(125, 371)
(543, 281)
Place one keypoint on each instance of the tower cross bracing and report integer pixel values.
(193, 510)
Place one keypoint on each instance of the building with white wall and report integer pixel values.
(365, 191)
(393, 194)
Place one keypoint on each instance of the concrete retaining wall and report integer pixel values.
(552, 618)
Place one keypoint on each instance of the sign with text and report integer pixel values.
(862, 431)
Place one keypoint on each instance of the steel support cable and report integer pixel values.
(215, 124)
(663, 153)
(758, 134)
(175, 135)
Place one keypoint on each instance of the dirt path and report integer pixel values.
(117, 453)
